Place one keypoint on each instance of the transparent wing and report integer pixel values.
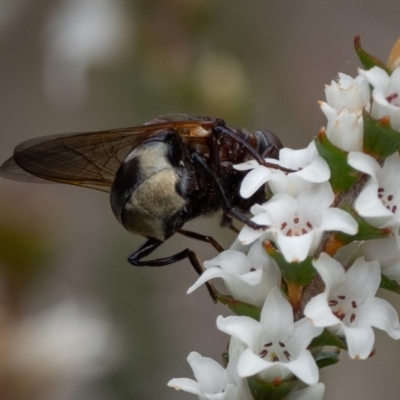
(90, 159)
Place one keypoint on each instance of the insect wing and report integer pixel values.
(91, 159)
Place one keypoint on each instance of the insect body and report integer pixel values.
(159, 175)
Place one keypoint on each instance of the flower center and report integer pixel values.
(296, 227)
(275, 352)
(344, 309)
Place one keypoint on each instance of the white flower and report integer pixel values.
(344, 128)
(296, 225)
(80, 34)
(276, 347)
(309, 168)
(248, 278)
(348, 306)
(353, 94)
(387, 252)
(386, 94)
(67, 338)
(213, 381)
(62, 350)
(379, 201)
(343, 109)
(314, 392)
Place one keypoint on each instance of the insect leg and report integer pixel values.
(227, 222)
(226, 207)
(202, 238)
(252, 151)
(151, 244)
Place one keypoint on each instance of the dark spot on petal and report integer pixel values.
(263, 353)
(392, 97)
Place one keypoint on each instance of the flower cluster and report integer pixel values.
(310, 279)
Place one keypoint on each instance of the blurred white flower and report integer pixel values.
(79, 34)
(58, 351)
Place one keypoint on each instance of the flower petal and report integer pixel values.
(364, 163)
(305, 368)
(335, 219)
(243, 328)
(295, 248)
(277, 316)
(208, 274)
(314, 392)
(304, 332)
(250, 364)
(331, 271)
(359, 341)
(363, 279)
(207, 372)
(186, 384)
(319, 312)
(318, 171)
(380, 314)
(254, 180)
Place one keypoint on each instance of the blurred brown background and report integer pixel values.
(69, 65)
